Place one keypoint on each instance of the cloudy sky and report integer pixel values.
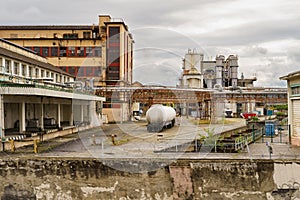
(264, 34)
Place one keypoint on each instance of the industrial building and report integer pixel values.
(230, 93)
(37, 96)
(200, 73)
(98, 54)
(293, 83)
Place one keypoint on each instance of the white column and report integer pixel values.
(22, 118)
(3, 65)
(12, 67)
(92, 111)
(26, 71)
(71, 116)
(248, 106)
(2, 134)
(81, 112)
(58, 115)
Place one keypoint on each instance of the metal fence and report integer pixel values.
(280, 134)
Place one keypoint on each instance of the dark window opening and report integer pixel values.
(86, 35)
(54, 51)
(98, 51)
(89, 51)
(70, 35)
(37, 50)
(71, 51)
(80, 51)
(45, 51)
(63, 51)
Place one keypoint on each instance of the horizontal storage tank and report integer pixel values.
(160, 117)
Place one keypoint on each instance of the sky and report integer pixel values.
(264, 34)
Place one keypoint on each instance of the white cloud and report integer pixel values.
(265, 34)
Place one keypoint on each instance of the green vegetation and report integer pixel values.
(281, 114)
(280, 107)
(255, 119)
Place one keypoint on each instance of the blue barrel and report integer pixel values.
(270, 128)
(269, 112)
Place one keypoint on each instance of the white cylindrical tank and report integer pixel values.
(159, 116)
(220, 60)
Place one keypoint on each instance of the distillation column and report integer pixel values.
(233, 63)
(219, 69)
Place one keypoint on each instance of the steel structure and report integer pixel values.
(204, 101)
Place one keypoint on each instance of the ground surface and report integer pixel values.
(131, 140)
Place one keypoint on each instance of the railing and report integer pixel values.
(7, 80)
(243, 141)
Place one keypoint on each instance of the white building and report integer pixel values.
(35, 95)
(293, 83)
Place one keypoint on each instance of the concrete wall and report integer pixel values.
(55, 178)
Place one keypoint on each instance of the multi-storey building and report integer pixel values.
(98, 54)
(293, 84)
(35, 95)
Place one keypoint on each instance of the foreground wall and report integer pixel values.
(184, 179)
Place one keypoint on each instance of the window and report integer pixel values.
(7, 66)
(64, 68)
(98, 52)
(86, 35)
(30, 71)
(70, 36)
(71, 70)
(97, 71)
(114, 31)
(295, 90)
(63, 51)
(71, 51)
(42, 73)
(52, 75)
(80, 51)
(89, 51)
(57, 80)
(81, 71)
(37, 50)
(113, 57)
(37, 72)
(89, 71)
(45, 51)
(23, 70)
(16, 68)
(54, 51)
(114, 69)
(47, 74)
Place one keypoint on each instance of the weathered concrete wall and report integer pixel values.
(185, 179)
